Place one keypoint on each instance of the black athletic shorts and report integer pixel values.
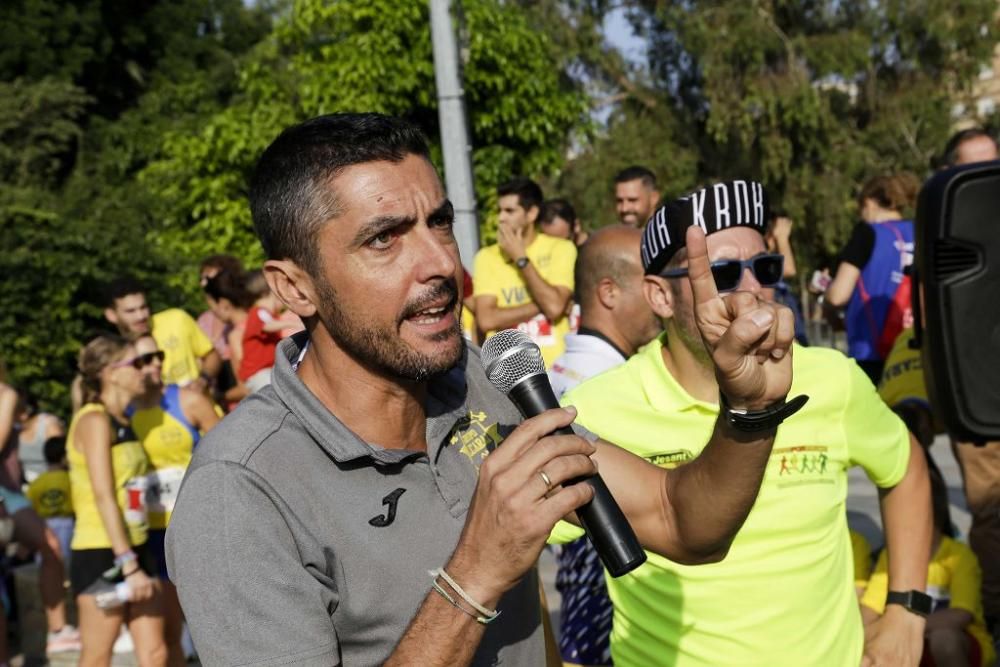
(86, 565)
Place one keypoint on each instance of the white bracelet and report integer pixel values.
(488, 615)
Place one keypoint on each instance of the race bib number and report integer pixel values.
(135, 501)
(539, 329)
(162, 488)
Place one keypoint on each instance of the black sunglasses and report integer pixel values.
(767, 269)
(141, 361)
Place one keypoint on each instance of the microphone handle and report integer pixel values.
(602, 518)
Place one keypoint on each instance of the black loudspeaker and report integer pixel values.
(958, 275)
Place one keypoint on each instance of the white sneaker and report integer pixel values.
(66, 639)
(124, 642)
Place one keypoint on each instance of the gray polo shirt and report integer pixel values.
(294, 542)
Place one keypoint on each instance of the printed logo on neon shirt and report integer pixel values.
(802, 464)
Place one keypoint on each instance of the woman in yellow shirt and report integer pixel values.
(107, 472)
(168, 420)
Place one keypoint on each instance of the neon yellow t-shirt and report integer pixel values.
(50, 494)
(183, 343)
(128, 465)
(495, 275)
(953, 580)
(903, 374)
(168, 439)
(784, 595)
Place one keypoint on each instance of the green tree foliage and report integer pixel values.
(128, 130)
(326, 57)
(815, 97)
(86, 90)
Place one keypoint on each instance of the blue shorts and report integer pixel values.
(156, 542)
(14, 501)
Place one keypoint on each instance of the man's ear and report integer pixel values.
(607, 293)
(292, 285)
(659, 296)
(533, 214)
(111, 316)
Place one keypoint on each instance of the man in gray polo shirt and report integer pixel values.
(310, 518)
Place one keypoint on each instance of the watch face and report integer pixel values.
(921, 602)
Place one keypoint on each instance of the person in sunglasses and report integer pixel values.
(107, 470)
(169, 421)
(784, 595)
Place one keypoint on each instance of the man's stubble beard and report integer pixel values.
(382, 349)
(686, 329)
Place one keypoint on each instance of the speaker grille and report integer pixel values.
(951, 258)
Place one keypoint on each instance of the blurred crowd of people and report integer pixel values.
(91, 500)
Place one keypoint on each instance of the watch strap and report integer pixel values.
(915, 601)
(754, 421)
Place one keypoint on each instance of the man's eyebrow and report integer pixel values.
(443, 212)
(376, 226)
(379, 224)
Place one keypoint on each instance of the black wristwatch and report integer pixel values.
(919, 603)
(755, 421)
(521, 262)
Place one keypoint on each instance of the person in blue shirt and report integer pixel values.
(870, 278)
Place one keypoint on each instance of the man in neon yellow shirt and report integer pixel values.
(525, 280)
(190, 358)
(784, 595)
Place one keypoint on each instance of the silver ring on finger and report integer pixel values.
(546, 479)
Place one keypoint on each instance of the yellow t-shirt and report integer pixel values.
(168, 439)
(183, 344)
(128, 465)
(50, 494)
(784, 595)
(495, 275)
(953, 580)
(903, 374)
(861, 554)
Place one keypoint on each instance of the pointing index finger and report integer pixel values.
(699, 268)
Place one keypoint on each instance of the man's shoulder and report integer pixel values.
(819, 364)
(553, 244)
(172, 317)
(254, 424)
(619, 383)
(490, 252)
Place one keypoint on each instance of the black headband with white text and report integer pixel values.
(714, 208)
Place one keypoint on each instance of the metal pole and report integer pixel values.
(455, 143)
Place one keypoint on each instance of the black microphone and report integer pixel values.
(514, 365)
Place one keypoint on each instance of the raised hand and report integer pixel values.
(511, 241)
(748, 338)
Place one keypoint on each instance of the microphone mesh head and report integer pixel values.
(510, 356)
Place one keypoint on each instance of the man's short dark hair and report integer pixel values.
(230, 286)
(290, 197)
(528, 192)
(950, 156)
(54, 449)
(558, 208)
(119, 288)
(637, 173)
